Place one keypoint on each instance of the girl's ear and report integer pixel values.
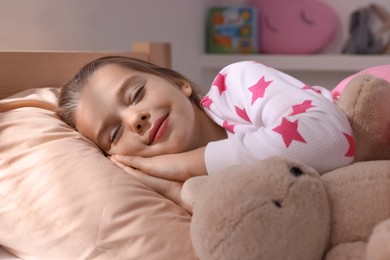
(186, 89)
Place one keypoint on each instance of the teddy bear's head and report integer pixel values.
(277, 206)
(366, 102)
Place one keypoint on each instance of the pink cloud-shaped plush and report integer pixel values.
(295, 26)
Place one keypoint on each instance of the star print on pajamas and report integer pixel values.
(307, 87)
(242, 113)
(206, 102)
(352, 148)
(301, 108)
(259, 89)
(219, 82)
(266, 112)
(289, 132)
(229, 127)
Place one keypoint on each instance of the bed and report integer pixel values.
(60, 198)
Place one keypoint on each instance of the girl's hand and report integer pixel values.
(174, 167)
(167, 188)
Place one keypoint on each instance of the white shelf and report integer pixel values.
(316, 62)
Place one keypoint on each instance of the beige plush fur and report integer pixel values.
(366, 102)
(282, 209)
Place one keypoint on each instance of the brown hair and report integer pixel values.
(71, 92)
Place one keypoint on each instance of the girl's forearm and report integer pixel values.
(194, 162)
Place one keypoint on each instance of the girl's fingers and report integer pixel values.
(159, 166)
(167, 188)
(134, 162)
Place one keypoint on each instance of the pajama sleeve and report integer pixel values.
(268, 113)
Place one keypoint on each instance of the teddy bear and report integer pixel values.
(283, 209)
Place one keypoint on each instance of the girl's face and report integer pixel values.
(134, 113)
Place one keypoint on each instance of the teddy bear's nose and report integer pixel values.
(277, 203)
(296, 172)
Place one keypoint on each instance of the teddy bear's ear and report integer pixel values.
(190, 190)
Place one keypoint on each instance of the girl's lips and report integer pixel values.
(158, 129)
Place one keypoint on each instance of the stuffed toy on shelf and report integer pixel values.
(295, 27)
(369, 31)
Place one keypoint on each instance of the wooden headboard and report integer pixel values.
(21, 70)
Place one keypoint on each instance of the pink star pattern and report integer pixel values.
(259, 89)
(206, 102)
(229, 127)
(301, 108)
(311, 88)
(289, 132)
(352, 148)
(242, 113)
(219, 82)
(234, 103)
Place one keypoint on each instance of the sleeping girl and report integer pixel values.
(154, 124)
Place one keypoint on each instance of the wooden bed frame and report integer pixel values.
(21, 70)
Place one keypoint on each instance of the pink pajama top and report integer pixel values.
(268, 113)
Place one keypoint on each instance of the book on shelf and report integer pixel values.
(232, 30)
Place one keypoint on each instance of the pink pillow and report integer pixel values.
(382, 71)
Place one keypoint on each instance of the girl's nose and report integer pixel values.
(138, 122)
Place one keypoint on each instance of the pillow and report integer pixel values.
(60, 198)
(382, 71)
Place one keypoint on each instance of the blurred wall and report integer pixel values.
(115, 25)
(105, 25)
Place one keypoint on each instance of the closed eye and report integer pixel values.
(137, 95)
(305, 19)
(268, 24)
(115, 134)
